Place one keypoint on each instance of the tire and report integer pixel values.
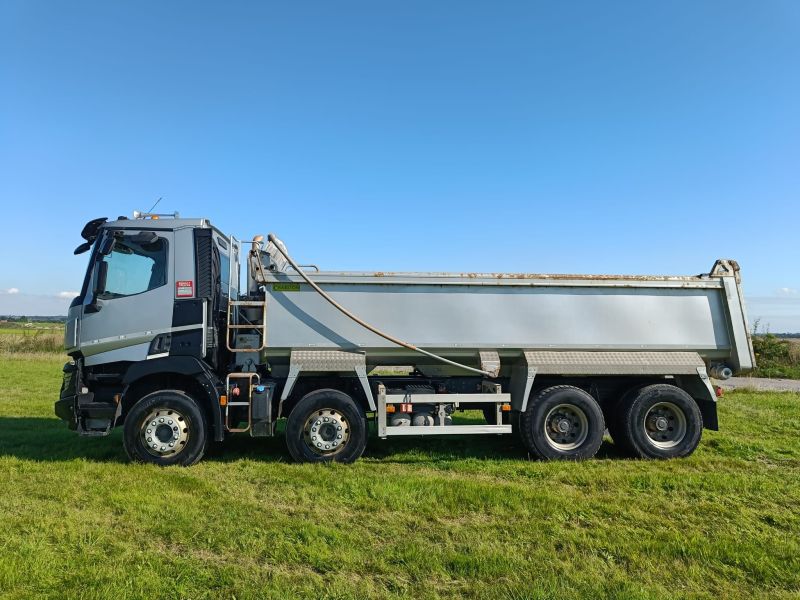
(325, 426)
(658, 421)
(170, 410)
(562, 422)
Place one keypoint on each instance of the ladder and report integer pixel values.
(249, 377)
(234, 306)
(234, 325)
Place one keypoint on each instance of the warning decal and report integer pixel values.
(184, 289)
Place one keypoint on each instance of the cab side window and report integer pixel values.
(135, 268)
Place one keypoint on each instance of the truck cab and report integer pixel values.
(152, 304)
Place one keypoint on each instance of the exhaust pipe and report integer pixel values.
(721, 372)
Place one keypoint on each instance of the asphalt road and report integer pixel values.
(762, 385)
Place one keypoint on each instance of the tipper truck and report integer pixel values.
(171, 341)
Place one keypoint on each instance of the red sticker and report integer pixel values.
(184, 289)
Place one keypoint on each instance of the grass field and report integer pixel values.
(461, 518)
(776, 357)
(34, 337)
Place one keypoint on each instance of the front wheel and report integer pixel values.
(326, 425)
(165, 428)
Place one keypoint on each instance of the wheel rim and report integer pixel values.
(165, 432)
(566, 427)
(665, 424)
(326, 431)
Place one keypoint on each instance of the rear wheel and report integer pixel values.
(165, 428)
(326, 425)
(658, 421)
(562, 422)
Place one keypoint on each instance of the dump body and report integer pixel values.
(457, 315)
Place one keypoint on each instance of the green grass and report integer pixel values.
(458, 518)
(776, 357)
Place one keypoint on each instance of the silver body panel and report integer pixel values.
(457, 315)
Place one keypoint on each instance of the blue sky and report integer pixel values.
(588, 137)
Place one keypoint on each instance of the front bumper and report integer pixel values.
(77, 407)
(65, 410)
(65, 405)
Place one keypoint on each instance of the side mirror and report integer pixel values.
(99, 286)
(106, 246)
(100, 278)
(83, 248)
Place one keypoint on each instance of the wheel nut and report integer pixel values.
(163, 448)
(314, 429)
(325, 420)
(153, 423)
(161, 420)
(171, 444)
(338, 437)
(313, 438)
(149, 431)
(327, 446)
(169, 422)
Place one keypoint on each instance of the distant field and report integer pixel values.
(38, 337)
(457, 518)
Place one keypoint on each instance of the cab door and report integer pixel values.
(130, 298)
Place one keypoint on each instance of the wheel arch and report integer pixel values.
(184, 373)
(307, 384)
(702, 392)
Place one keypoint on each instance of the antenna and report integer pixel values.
(151, 215)
(154, 205)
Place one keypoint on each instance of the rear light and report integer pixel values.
(718, 391)
(223, 400)
(505, 407)
(390, 408)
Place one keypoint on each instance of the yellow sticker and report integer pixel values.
(285, 287)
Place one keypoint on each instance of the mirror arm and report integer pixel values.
(98, 287)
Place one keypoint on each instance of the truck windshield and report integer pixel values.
(135, 268)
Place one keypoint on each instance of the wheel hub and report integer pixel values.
(566, 427)
(164, 432)
(661, 423)
(563, 426)
(665, 425)
(326, 431)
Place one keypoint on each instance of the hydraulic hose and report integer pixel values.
(280, 246)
